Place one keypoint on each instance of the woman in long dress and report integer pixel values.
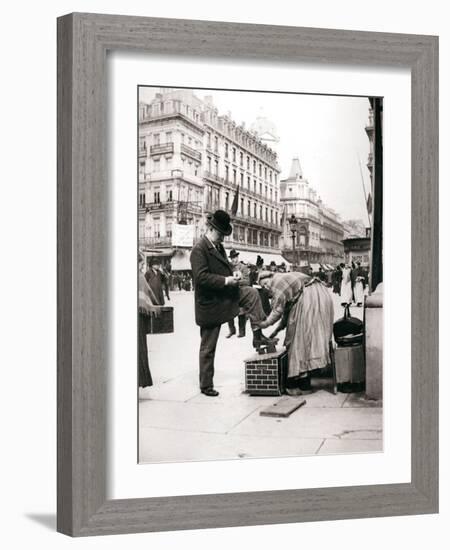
(147, 308)
(306, 306)
(359, 291)
(346, 286)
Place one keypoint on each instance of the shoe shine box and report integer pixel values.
(163, 323)
(265, 374)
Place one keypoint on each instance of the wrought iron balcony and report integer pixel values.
(162, 149)
(196, 155)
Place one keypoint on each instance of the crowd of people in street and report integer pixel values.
(265, 295)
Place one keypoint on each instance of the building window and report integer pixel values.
(254, 186)
(271, 216)
(182, 138)
(265, 173)
(156, 165)
(270, 176)
(265, 191)
(227, 200)
(248, 209)
(216, 167)
(267, 214)
(248, 183)
(209, 165)
(168, 137)
(156, 198)
(170, 195)
(260, 189)
(241, 158)
(248, 163)
(216, 144)
(234, 177)
(208, 140)
(234, 154)
(260, 170)
(254, 210)
(242, 207)
(141, 200)
(227, 173)
(156, 139)
(226, 150)
(260, 213)
(242, 179)
(254, 166)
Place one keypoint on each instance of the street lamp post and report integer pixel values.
(293, 227)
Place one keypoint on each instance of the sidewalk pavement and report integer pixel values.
(177, 423)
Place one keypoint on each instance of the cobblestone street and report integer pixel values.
(178, 423)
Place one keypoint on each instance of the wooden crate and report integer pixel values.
(163, 323)
(349, 364)
(266, 374)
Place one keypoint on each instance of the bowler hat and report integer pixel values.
(220, 220)
(234, 253)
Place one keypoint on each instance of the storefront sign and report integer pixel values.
(183, 235)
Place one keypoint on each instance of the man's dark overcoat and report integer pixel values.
(215, 303)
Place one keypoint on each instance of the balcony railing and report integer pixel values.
(196, 155)
(189, 206)
(215, 178)
(155, 241)
(162, 149)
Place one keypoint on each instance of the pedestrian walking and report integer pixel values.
(154, 279)
(346, 291)
(147, 308)
(306, 310)
(218, 296)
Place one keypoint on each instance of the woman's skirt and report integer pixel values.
(145, 378)
(359, 292)
(309, 330)
(346, 293)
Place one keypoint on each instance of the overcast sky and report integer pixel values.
(326, 133)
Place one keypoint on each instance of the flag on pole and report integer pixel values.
(283, 216)
(369, 204)
(234, 206)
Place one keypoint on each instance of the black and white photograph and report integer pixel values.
(260, 274)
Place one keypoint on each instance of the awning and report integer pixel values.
(249, 257)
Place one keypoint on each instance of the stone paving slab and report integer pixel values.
(182, 388)
(203, 416)
(348, 446)
(325, 398)
(359, 400)
(311, 422)
(160, 445)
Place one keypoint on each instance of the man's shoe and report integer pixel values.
(241, 335)
(231, 333)
(263, 341)
(210, 392)
(304, 384)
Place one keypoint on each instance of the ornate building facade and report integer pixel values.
(316, 236)
(193, 161)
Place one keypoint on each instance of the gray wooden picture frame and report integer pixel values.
(83, 42)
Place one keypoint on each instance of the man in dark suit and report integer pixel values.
(154, 278)
(218, 296)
